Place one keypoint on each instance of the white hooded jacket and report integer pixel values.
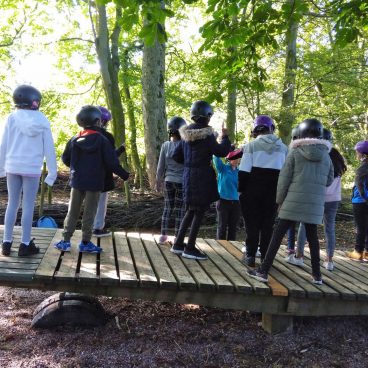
(26, 140)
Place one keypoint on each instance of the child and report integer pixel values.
(300, 194)
(359, 200)
(25, 142)
(195, 151)
(259, 170)
(88, 154)
(228, 206)
(99, 230)
(170, 172)
(332, 200)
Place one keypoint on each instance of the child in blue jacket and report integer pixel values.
(228, 206)
(89, 155)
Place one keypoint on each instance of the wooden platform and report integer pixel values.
(134, 266)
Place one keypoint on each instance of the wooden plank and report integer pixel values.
(183, 276)
(88, 263)
(47, 267)
(220, 279)
(17, 265)
(306, 273)
(165, 277)
(341, 276)
(146, 274)
(69, 260)
(231, 266)
(127, 274)
(108, 271)
(260, 288)
(13, 275)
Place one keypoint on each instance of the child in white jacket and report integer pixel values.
(26, 140)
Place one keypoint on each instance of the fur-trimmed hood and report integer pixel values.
(189, 133)
(312, 149)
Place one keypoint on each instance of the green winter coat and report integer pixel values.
(302, 181)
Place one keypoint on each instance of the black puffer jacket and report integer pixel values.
(195, 151)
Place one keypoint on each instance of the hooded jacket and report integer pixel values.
(261, 163)
(195, 150)
(90, 155)
(360, 189)
(302, 183)
(25, 142)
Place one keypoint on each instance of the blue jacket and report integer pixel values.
(89, 155)
(360, 189)
(227, 180)
(197, 146)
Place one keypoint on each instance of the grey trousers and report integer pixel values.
(75, 205)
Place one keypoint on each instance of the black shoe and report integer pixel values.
(28, 250)
(178, 248)
(100, 233)
(5, 248)
(249, 261)
(194, 253)
(258, 275)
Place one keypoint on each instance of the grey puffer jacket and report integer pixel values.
(302, 181)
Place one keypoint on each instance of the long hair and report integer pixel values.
(338, 162)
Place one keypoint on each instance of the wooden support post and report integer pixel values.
(275, 324)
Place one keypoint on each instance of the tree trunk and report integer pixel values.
(109, 65)
(132, 125)
(287, 116)
(231, 110)
(153, 104)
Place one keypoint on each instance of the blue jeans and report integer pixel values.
(329, 217)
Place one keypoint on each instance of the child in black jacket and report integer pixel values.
(89, 155)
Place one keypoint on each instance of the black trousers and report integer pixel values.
(280, 230)
(259, 211)
(192, 219)
(228, 215)
(360, 212)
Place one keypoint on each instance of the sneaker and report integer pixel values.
(355, 255)
(258, 253)
(100, 233)
(89, 247)
(63, 245)
(5, 248)
(28, 250)
(365, 256)
(317, 281)
(194, 254)
(177, 248)
(328, 265)
(294, 261)
(244, 249)
(163, 239)
(249, 261)
(258, 275)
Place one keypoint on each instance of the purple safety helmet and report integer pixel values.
(105, 115)
(263, 121)
(362, 147)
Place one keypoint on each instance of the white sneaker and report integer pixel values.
(293, 260)
(328, 265)
(258, 254)
(244, 249)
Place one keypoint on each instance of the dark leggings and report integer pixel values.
(360, 212)
(192, 218)
(279, 232)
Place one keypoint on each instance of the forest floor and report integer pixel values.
(153, 334)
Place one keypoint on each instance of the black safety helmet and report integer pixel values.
(295, 133)
(174, 124)
(327, 135)
(310, 128)
(201, 109)
(25, 96)
(89, 116)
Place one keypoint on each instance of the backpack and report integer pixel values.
(46, 222)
